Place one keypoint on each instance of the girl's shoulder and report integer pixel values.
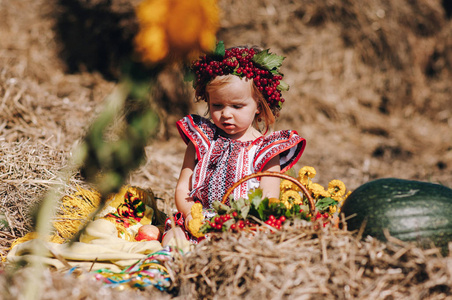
(197, 120)
(196, 127)
(281, 135)
(285, 143)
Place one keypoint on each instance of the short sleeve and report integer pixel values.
(285, 143)
(197, 130)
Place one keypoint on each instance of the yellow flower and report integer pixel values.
(318, 190)
(286, 185)
(333, 209)
(198, 217)
(173, 29)
(305, 174)
(196, 211)
(337, 198)
(193, 226)
(336, 187)
(289, 198)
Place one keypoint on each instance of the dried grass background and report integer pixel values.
(370, 91)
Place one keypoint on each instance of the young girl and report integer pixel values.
(242, 89)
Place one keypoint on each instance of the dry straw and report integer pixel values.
(300, 262)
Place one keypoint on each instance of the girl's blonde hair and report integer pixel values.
(265, 115)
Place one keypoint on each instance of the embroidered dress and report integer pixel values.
(222, 161)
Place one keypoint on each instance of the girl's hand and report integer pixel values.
(187, 220)
(183, 187)
(270, 185)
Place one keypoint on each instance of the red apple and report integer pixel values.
(148, 233)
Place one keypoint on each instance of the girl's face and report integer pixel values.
(233, 109)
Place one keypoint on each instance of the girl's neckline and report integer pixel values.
(219, 134)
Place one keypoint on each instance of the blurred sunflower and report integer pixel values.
(172, 29)
(318, 190)
(336, 187)
(289, 198)
(305, 174)
(286, 185)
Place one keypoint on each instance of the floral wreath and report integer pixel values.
(261, 66)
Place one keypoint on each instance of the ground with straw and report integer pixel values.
(370, 91)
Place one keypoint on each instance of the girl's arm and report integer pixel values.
(270, 185)
(183, 201)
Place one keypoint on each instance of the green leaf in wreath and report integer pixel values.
(268, 60)
(283, 86)
(219, 49)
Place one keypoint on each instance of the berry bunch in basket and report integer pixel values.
(275, 222)
(232, 222)
(250, 214)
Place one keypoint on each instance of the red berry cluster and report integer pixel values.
(241, 224)
(217, 223)
(274, 222)
(238, 61)
(325, 217)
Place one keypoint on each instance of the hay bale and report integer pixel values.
(301, 262)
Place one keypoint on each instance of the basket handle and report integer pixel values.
(272, 174)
